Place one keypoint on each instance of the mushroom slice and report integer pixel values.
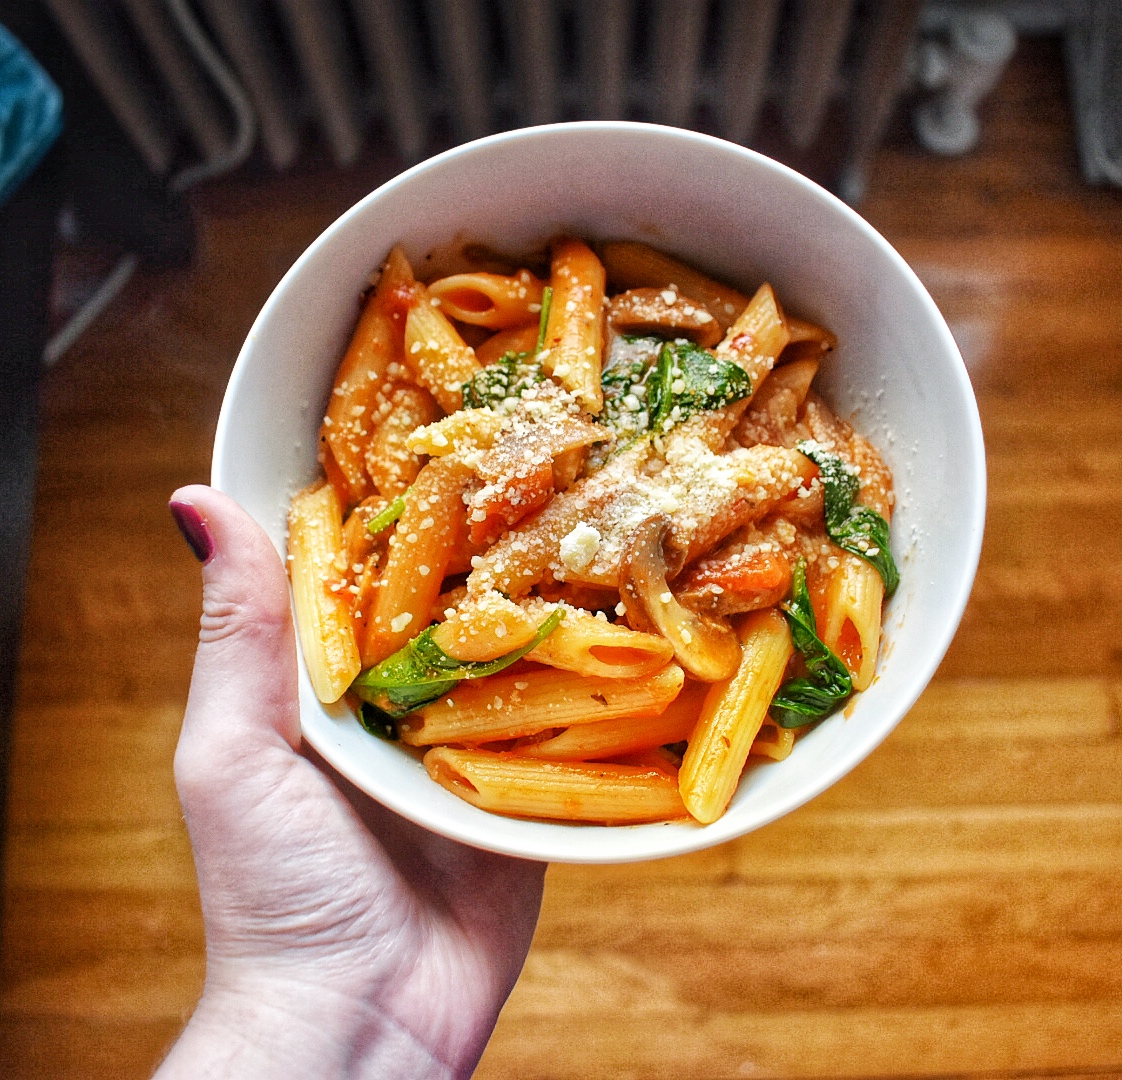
(706, 647)
(665, 312)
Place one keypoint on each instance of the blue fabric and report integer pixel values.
(30, 113)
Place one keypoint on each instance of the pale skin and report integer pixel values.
(342, 941)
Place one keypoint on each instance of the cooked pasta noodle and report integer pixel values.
(602, 558)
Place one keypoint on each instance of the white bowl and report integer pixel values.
(896, 374)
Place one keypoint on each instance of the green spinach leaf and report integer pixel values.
(421, 672)
(689, 379)
(656, 384)
(497, 384)
(858, 529)
(827, 683)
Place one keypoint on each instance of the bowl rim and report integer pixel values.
(682, 840)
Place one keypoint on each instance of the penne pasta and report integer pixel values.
(390, 463)
(595, 647)
(513, 706)
(732, 715)
(419, 551)
(773, 742)
(323, 615)
(488, 625)
(803, 332)
(757, 337)
(625, 735)
(519, 339)
(496, 301)
(853, 598)
(604, 794)
(437, 355)
(632, 265)
(484, 627)
(359, 392)
(574, 333)
(462, 433)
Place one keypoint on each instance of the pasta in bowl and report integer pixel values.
(586, 532)
(587, 574)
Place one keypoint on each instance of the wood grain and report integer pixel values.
(950, 908)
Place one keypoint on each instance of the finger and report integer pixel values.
(244, 685)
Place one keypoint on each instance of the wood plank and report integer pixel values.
(125, 776)
(890, 973)
(111, 988)
(60, 1048)
(49, 928)
(1003, 709)
(112, 857)
(654, 1041)
(606, 907)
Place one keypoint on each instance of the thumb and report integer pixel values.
(244, 685)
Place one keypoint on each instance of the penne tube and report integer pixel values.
(773, 742)
(803, 331)
(521, 787)
(496, 301)
(390, 464)
(437, 355)
(574, 335)
(489, 625)
(792, 379)
(334, 475)
(625, 735)
(633, 265)
(419, 551)
(485, 627)
(356, 399)
(323, 614)
(732, 715)
(853, 597)
(757, 337)
(518, 339)
(774, 411)
(461, 433)
(664, 312)
(512, 706)
(359, 390)
(591, 646)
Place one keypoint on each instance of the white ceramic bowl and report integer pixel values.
(896, 374)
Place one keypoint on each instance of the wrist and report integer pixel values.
(274, 1030)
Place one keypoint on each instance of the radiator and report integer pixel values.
(210, 80)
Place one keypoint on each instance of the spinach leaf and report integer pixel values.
(827, 683)
(688, 379)
(421, 672)
(623, 382)
(858, 529)
(387, 516)
(504, 380)
(380, 724)
(657, 384)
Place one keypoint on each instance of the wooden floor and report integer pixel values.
(954, 907)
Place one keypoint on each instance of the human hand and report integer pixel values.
(341, 939)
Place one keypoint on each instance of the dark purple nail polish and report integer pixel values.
(194, 528)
